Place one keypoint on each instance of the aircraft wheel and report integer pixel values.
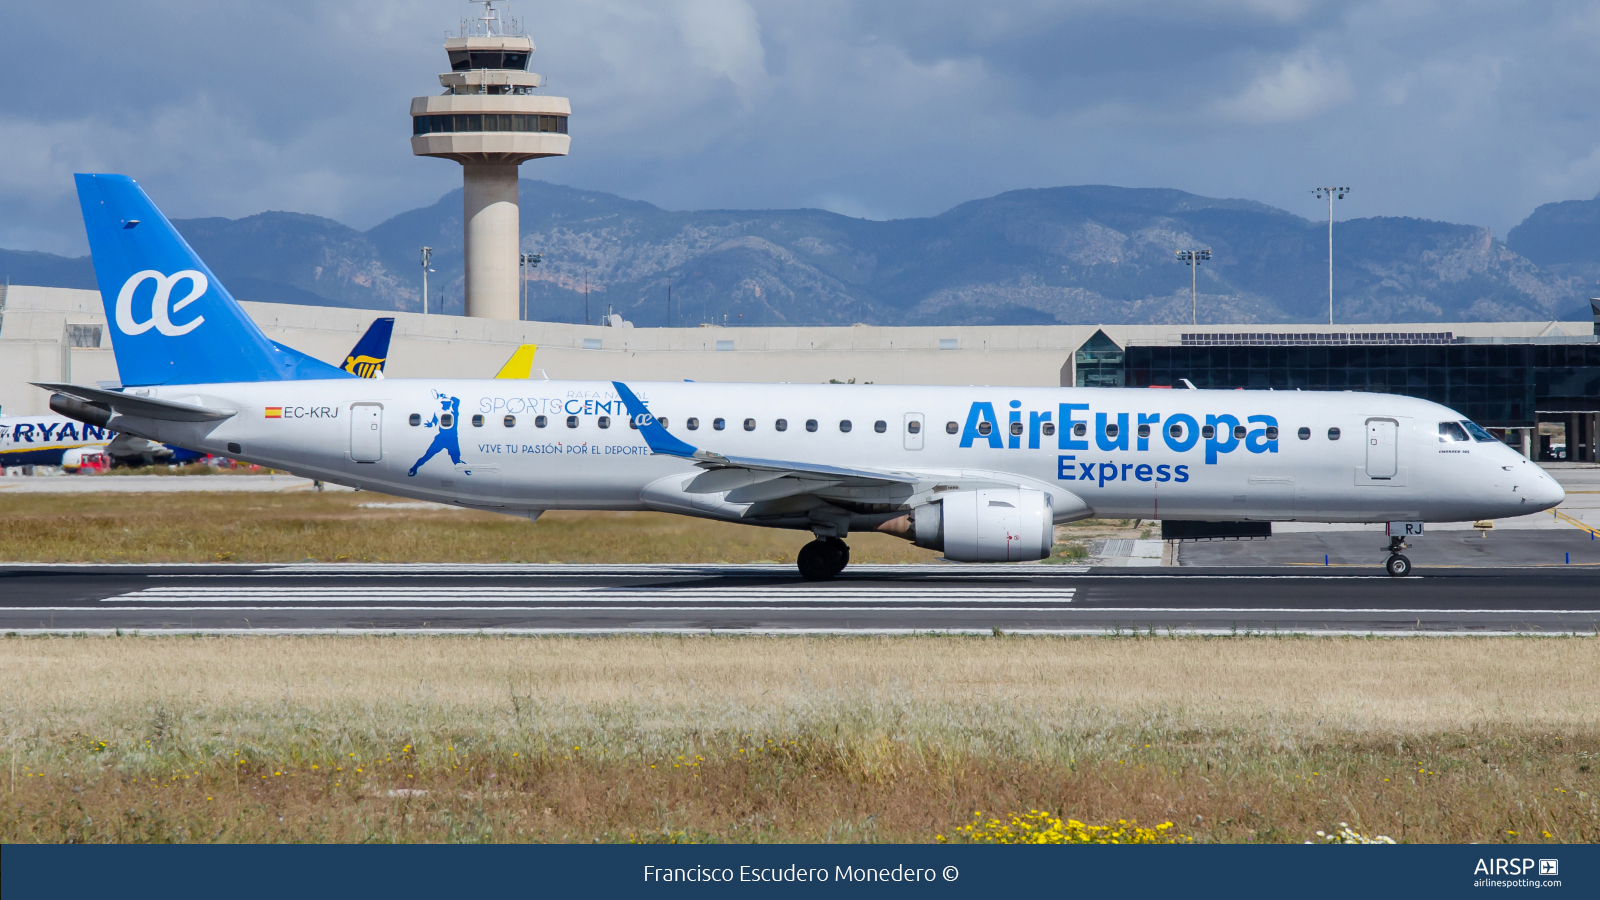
(1398, 566)
(843, 549)
(820, 560)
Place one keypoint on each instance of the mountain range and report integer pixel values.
(1071, 255)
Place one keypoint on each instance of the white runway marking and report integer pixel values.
(609, 597)
(1093, 631)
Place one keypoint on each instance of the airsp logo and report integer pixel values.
(160, 311)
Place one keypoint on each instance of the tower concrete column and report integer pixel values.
(490, 227)
(490, 121)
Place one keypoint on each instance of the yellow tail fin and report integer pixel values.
(520, 365)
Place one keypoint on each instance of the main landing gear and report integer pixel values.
(1397, 566)
(823, 558)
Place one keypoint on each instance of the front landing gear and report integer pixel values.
(1397, 566)
(823, 558)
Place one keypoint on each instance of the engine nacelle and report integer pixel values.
(1000, 525)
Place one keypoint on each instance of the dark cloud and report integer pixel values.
(1471, 111)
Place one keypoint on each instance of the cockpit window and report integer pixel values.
(1478, 434)
(1452, 431)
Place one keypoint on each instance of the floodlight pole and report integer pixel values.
(1331, 193)
(1193, 259)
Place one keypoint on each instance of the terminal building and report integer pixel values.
(1535, 383)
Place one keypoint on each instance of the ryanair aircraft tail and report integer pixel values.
(172, 321)
(367, 357)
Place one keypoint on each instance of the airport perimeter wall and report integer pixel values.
(38, 342)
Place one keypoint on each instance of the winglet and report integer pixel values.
(520, 365)
(655, 434)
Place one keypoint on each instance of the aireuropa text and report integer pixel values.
(796, 873)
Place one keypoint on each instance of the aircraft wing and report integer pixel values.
(733, 472)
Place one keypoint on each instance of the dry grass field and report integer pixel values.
(798, 739)
(362, 526)
(344, 526)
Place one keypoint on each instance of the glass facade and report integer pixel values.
(1099, 362)
(453, 124)
(1499, 385)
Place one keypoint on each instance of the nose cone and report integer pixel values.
(1545, 493)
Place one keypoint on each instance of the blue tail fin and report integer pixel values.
(367, 357)
(172, 321)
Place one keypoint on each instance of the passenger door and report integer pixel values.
(1383, 448)
(366, 432)
(913, 433)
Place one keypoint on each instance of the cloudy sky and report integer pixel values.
(1468, 111)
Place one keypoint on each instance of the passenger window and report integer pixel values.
(1144, 431)
(663, 422)
(749, 424)
(511, 421)
(1016, 428)
(1111, 429)
(572, 421)
(447, 421)
(477, 421)
(1239, 432)
(416, 419)
(811, 424)
(984, 428)
(914, 427)
(1080, 429)
(1208, 432)
(1305, 434)
(1452, 431)
(719, 424)
(603, 421)
(880, 426)
(1175, 430)
(1333, 434)
(692, 424)
(781, 425)
(1272, 432)
(951, 428)
(1049, 429)
(540, 421)
(633, 422)
(844, 425)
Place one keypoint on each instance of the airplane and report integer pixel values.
(981, 473)
(61, 441)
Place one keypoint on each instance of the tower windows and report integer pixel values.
(449, 124)
(467, 60)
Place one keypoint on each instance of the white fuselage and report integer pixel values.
(1389, 461)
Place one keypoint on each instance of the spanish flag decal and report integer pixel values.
(274, 412)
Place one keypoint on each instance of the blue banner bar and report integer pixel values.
(347, 872)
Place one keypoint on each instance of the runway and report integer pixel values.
(772, 599)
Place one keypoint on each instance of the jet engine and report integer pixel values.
(998, 525)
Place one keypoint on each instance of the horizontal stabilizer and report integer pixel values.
(131, 405)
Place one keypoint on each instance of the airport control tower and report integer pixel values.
(489, 119)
